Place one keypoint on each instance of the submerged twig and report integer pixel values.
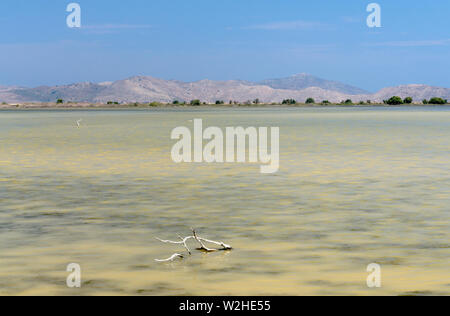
(174, 256)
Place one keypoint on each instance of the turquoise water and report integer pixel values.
(355, 186)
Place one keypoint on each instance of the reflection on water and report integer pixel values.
(355, 186)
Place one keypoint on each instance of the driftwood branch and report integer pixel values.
(185, 244)
(219, 243)
(203, 247)
(200, 240)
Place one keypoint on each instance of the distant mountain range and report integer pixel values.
(149, 89)
(303, 81)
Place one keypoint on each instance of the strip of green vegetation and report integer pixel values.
(395, 100)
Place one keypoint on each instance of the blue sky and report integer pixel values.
(228, 39)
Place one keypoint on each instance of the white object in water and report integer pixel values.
(175, 256)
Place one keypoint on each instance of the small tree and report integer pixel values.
(256, 101)
(175, 102)
(59, 101)
(310, 101)
(408, 100)
(437, 101)
(325, 102)
(395, 101)
(289, 101)
(425, 101)
(348, 102)
(219, 102)
(196, 102)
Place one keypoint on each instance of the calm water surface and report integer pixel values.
(355, 186)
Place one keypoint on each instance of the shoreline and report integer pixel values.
(80, 106)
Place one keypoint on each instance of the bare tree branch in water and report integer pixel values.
(200, 240)
(185, 244)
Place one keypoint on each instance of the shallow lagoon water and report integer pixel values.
(355, 186)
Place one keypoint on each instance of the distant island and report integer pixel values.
(297, 90)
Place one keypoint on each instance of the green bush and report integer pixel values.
(289, 101)
(310, 101)
(59, 101)
(348, 102)
(437, 101)
(408, 100)
(325, 102)
(218, 102)
(425, 101)
(196, 102)
(395, 101)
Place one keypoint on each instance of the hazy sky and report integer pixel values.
(227, 39)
